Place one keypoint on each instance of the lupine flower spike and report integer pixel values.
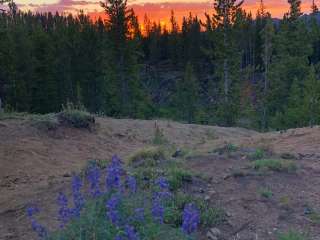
(191, 219)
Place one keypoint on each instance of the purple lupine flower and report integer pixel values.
(130, 233)
(114, 171)
(64, 211)
(39, 229)
(94, 179)
(162, 183)
(31, 211)
(190, 218)
(112, 211)
(78, 199)
(139, 214)
(157, 211)
(118, 237)
(132, 184)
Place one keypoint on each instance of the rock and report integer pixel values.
(214, 234)
(206, 198)
(177, 153)
(212, 192)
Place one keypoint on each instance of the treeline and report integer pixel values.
(231, 69)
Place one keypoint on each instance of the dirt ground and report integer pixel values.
(36, 164)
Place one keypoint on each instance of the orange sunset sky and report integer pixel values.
(157, 10)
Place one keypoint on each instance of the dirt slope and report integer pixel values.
(36, 164)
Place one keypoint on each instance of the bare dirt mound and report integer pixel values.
(35, 164)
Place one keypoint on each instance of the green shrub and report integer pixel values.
(149, 156)
(292, 235)
(266, 193)
(76, 117)
(279, 165)
(228, 148)
(257, 154)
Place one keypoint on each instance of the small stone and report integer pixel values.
(212, 192)
(228, 214)
(215, 231)
(214, 234)
(177, 153)
(206, 198)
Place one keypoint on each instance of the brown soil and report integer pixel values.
(36, 164)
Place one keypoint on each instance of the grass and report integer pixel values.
(209, 216)
(292, 235)
(45, 121)
(159, 138)
(279, 165)
(4, 115)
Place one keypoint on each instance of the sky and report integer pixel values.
(157, 10)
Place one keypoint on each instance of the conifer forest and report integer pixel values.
(230, 68)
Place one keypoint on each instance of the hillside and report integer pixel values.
(37, 163)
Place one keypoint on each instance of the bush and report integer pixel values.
(76, 117)
(278, 165)
(122, 211)
(228, 149)
(266, 193)
(147, 157)
(257, 154)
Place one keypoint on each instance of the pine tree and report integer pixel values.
(295, 10)
(314, 8)
(290, 62)
(224, 18)
(187, 95)
(311, 100)
(267, 36)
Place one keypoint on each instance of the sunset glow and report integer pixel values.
(156, 10)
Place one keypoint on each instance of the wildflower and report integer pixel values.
(112, 211)
(130, 233)
(132, 184)
(78, 199)
(118, 237)
(139, 214)
(39, 229)
(114, 171)
(64, 211)
(94, 179)
(157, 211)
(31, 211)
(162, 183)
(190, 218)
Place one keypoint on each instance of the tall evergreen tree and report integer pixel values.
(187, 95)
(314, 8)
(311, 98)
